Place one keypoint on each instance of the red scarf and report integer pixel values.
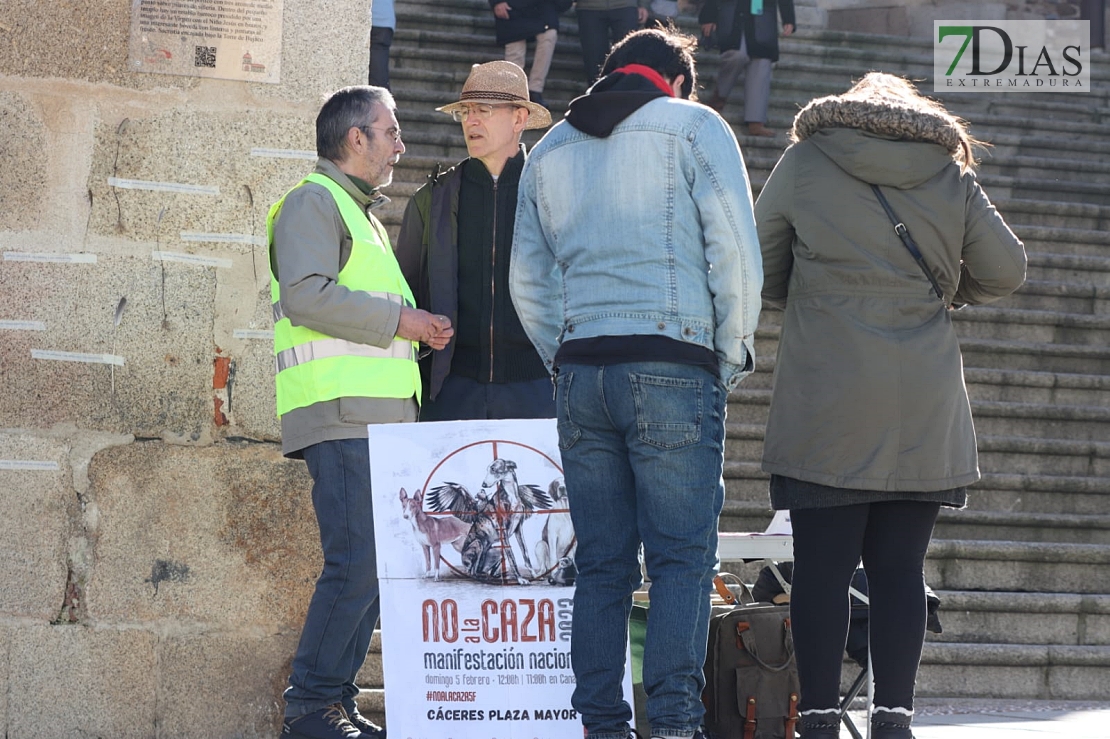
(645, 71)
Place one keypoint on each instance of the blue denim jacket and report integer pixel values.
(647, 231)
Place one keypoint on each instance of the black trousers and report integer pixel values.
(598, 30)
(891, 538)
(380, 41)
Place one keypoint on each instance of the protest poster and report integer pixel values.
(476, 561)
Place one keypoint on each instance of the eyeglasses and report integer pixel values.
(393, 132)
(484, 112)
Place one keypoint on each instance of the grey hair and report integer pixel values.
(345, 109)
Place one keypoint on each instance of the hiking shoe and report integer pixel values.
(327, 723)
(369, 729)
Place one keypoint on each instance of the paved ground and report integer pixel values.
(1008, 720)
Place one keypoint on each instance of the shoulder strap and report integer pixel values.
(904, 235)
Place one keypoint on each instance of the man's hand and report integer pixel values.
(787, 29)
(708, 29)
(641, 15)
(501, 10)
(420, 325)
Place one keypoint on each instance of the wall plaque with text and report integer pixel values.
(226, 39)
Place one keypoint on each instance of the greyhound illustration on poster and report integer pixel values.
(476, 560)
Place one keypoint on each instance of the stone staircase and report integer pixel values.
(1024, 572)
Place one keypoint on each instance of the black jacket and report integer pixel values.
(735, 21)
(528, 18)
(428, 251)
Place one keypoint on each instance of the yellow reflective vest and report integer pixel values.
(311, 367)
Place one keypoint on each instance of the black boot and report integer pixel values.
(890, 725)
(819, 727)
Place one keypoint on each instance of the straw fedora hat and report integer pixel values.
(497, 83)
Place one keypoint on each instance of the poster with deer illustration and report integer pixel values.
(476, 563)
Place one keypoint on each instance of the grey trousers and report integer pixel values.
(541, 60)
(757, 81)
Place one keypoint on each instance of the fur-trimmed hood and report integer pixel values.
(878, 141)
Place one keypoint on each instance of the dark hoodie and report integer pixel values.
(613, 98)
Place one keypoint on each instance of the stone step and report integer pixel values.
(1037, 143)
(1071, 269)
(1065, 619)
(998, 418)
(1048, 388)
(1037, 326)
(796, 83)
(1063, 528)
(1041, 567)
(1022, 455)
(1065, 241)
(1020, 212)
(1060, 296)
(1069, 368)
(1035, 493)
(1034, 356)
(969, 523)
(1027, 671)
(1009, 566)
(996, 491)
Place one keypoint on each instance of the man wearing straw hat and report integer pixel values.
(454, 251)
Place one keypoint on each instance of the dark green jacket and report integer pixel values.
(869, 391)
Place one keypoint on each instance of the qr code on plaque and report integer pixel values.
(204, 56)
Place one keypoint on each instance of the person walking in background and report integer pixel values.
(383, 21)
(521, 20)
(870, 429)
(454, 249)
(602, 23)
(661, 13)
(747, 35)
(636, 274)
(345, 339)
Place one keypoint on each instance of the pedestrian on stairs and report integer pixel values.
(454, 249)
(520, 21)
(746, 32)
(383, 23)
(870, 429)
(602, 23)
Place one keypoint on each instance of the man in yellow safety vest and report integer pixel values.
(346, 336)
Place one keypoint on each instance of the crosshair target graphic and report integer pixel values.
(511, 500)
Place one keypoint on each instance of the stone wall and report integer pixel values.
(156, 551)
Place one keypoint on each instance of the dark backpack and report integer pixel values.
(751, 678)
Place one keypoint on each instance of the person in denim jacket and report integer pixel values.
(636, 273)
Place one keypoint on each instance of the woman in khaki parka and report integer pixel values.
(870, 428)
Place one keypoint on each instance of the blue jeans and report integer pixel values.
(643, 451)
(344, 608)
